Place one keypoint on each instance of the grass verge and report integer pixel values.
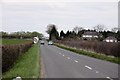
(91, 54)
(27, 66)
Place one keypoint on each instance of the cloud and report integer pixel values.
(66, 15)
(0, 17)
(60, 0)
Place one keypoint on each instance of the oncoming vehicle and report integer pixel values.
(50, 43)
(42, 42)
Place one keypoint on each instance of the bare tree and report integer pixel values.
(115, 29)
(99, 28)
(77, 29)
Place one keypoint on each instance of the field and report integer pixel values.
(12, 41)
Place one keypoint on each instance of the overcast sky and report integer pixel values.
(35, 15)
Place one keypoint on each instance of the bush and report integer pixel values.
(10, 54)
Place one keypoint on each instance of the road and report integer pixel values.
(60, 63)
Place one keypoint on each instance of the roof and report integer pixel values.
(90, 33)
(111, 37)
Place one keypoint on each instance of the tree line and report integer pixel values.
(20, 34)
(78, 31)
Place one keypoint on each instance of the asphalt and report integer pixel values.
(60, 63)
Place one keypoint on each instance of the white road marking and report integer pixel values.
(77, 54)
(109, 78)
(88, 67)
(97, 71)
(63, 55)
(76, 61)
(68, 58)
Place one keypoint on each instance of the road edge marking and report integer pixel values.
(42, 72)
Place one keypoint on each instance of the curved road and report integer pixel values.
(60, 63)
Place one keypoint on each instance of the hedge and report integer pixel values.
(112, 49)
(10, 54)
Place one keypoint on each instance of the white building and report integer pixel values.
(110, 39)
(89, 35)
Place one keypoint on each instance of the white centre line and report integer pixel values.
(63, 55)
(88, 67)
(68, 57)
(109, 78)
(76, 61)
(97, 71)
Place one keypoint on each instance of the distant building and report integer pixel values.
(90, 35)
(110, 39)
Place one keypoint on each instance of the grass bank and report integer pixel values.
(91, 54)
(27, 66)
(13, 41)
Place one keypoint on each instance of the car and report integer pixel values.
(50, 43)
(42, 42)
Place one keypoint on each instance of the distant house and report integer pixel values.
(90, 35)
(110, 39)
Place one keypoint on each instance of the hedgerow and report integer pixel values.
(112, 49)
(10, 54)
